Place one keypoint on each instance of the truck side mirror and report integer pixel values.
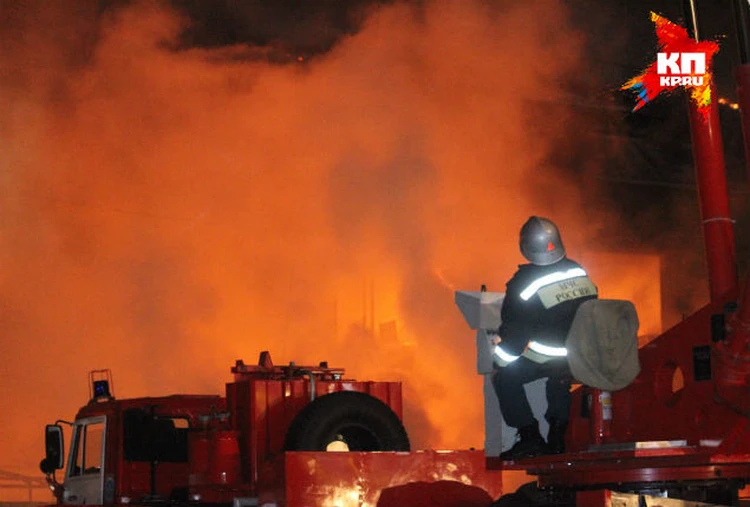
(54, 453)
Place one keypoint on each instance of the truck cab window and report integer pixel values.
(87, 449)
(154, 438)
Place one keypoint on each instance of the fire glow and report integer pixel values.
(169, 212)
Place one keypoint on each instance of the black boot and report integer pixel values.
(556, 437)
(530, 444)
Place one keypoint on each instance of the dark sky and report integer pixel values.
(620, 34)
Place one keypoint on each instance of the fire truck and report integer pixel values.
(679, 434)
(272, 440)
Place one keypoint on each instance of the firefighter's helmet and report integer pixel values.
(540, 241)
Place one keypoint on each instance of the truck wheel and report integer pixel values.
(348, 421)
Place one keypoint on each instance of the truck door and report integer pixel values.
(85, 479)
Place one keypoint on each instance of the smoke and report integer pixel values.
(168, 211)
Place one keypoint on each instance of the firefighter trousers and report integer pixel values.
(509, 384)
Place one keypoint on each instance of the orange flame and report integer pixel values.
(169, 212)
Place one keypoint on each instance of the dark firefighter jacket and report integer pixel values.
(540, 303)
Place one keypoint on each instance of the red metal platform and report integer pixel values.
(602, 468)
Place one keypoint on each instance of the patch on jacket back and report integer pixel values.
(567, 290)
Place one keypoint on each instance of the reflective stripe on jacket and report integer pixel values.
(560, 286)
(535, 351)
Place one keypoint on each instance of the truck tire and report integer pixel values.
(361, 421)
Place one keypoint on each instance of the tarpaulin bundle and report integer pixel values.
(603, 344)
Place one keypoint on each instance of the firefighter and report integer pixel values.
(540, 302)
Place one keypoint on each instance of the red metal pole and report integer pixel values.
(739, 336)
(710, 172)
(718, 234)
(734, 354)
